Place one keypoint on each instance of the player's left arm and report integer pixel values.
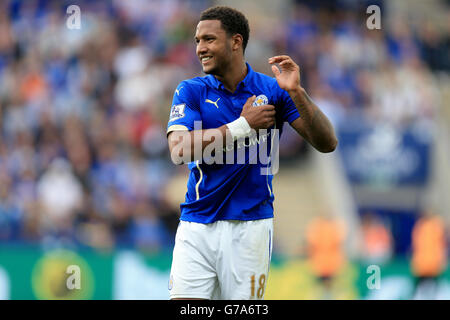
(313, 125)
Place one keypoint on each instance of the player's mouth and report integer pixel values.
(205, 60)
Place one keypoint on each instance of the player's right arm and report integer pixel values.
(183, 143)
(187, 145)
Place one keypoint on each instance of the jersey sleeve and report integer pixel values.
(286, 106)
(185, 109)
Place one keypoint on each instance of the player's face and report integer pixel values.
(213, 47)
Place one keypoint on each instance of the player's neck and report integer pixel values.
(234, 74)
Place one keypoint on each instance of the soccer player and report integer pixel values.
(224, 239)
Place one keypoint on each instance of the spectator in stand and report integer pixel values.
(429, 255)
(377, 246)
(326, 257)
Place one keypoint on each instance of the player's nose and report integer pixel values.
(201, 49)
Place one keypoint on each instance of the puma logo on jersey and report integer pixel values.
(178, 91)
(213, 102)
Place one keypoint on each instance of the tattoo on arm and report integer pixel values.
(318, 129)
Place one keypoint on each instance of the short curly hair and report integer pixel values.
(232, 20)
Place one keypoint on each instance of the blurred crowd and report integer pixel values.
(385, 74)
(83, 154)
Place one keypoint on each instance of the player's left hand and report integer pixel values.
(289, 77)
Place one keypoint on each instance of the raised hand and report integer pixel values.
(289, 77)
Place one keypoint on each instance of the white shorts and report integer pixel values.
(227, 259)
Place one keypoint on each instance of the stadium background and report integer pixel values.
(86, 180)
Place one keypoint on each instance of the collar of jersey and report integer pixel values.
(219, 85)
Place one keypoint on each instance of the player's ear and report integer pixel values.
(237, 41)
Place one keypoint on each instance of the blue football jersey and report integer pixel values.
(224, 191)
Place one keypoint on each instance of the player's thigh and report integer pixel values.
(246, 258)
(192, 273)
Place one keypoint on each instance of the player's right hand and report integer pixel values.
(261, 117)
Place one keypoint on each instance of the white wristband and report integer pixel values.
(239, 128)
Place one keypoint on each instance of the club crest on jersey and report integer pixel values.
(177, 112)
(260, 101)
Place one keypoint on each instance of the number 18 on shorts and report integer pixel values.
(226, 259)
